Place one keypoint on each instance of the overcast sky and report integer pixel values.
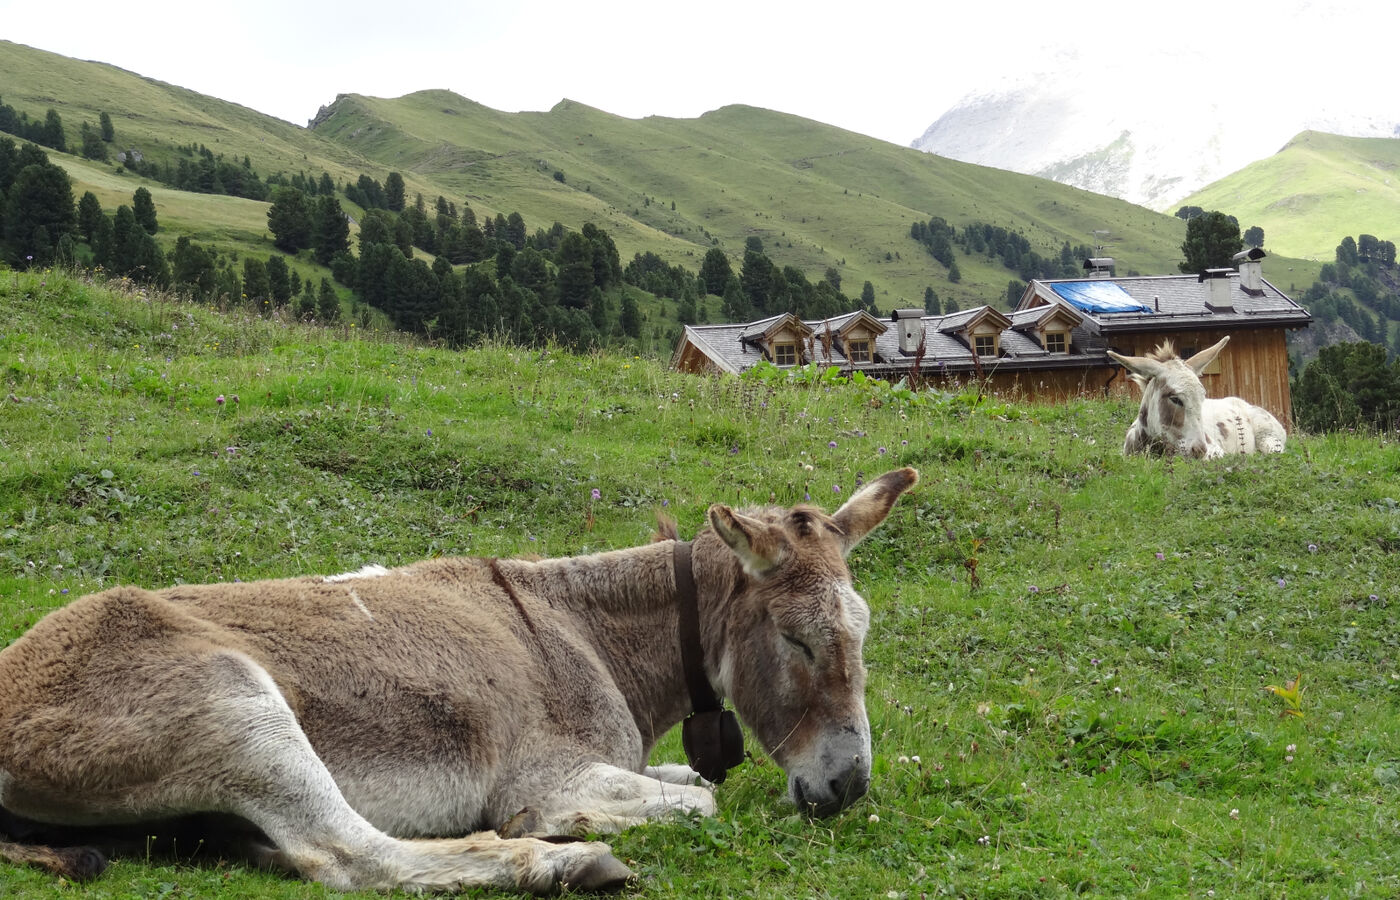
(886, 68)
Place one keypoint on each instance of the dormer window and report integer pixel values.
(985, 344)
(1056, 342)
(785, 353)
(858, 351)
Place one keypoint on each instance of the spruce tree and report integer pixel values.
(145, 210)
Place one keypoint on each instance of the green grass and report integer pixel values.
(1091, 719)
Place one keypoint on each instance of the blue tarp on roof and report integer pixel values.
(1098, 297)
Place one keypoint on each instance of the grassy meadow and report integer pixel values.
(1069, 654)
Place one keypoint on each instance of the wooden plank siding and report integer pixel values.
(1253, 366)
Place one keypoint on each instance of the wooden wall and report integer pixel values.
(1254, 366)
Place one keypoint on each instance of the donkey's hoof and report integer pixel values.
(79, 863)
(596, 874)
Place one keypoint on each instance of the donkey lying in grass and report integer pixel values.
(1177, 418)
(333, 718)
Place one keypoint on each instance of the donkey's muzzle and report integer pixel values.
(842, 788)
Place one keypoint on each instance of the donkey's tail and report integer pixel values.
(73, 863)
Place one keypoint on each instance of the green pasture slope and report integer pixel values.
(817, 196)
(1090, 719)
(1316, 190)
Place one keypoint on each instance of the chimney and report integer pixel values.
(1218, 297)
(910, 323)
(1099, 267)
(1251, 270)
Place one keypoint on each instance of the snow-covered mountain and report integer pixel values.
(1151, 138)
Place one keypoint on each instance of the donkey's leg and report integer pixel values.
(597, 798)
(675, 773)
(227, 741)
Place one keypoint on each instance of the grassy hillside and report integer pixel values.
(818, 196)
(1092, 719)
(1316, 190)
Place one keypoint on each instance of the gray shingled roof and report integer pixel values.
(1177, 303)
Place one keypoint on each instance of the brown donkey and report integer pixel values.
(333, 719)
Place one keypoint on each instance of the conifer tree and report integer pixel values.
(145, 210)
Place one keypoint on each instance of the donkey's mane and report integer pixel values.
(1164, 352)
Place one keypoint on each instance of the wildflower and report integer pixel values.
(904, 443)
(1161, 555)
(665, 502)
(915, 759)
(1033, 589)
(219, 399)
(882, 451)
(597, 494)
(831, 444)
(1282, 583)
(985, 840)
(904, 760)
(64, 591)
(1292, 696)
(807, 495)
(1312, 548)
(873, 819)
(1374, 597)
(836, 488)
(430, 432)
(1234, 813)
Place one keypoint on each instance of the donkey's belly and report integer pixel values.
(418, 800)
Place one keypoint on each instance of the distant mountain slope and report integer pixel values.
(817, 196)
(1103, 130)
(1315, 191)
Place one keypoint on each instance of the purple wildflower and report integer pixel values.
(219, 399)
(1033, 589)
(882, 451)
(831, 444)
(1312, 548)
(1282, 583)
(1161, 555)
(597, 494)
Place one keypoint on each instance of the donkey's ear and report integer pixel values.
(758, 546)
(860, 515)
(1207, 356)
(1143, 368)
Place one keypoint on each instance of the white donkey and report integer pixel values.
(1176, 417)
(331, 719)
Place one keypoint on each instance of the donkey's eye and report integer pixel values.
(799, 645)
(1175, 399)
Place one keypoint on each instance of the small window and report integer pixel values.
(858, 351)
(1056, 342)
(985, 344)
(785, 354)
